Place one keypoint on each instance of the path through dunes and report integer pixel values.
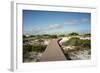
(53, 52)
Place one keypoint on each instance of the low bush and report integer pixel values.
(73, 34)
(38, 48)
(74, 41)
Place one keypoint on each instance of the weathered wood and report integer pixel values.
(53, 52)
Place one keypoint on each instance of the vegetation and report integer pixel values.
(32, 35)
(24, 36)
(35, 44)
(87, 35)
(40, 41)
(27, 48)
(62, 35)
(54, 36)
(86, 43)
(34, 48)
(73, 34)
(38, 48)
(74, 41)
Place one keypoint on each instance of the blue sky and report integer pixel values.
(52, 22)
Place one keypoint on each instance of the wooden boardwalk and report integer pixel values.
(53, 52)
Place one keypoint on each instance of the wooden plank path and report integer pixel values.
(53, 52)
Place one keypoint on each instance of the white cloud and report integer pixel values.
(39, 30)
(75, 21)
(71, 22)
(51, 27)
(55, 26)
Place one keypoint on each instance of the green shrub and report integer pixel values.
(87, 35)
(27, 48)
(74, 41)
(73, 34)
(86, 43)
(53, 36)
(38, 48)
